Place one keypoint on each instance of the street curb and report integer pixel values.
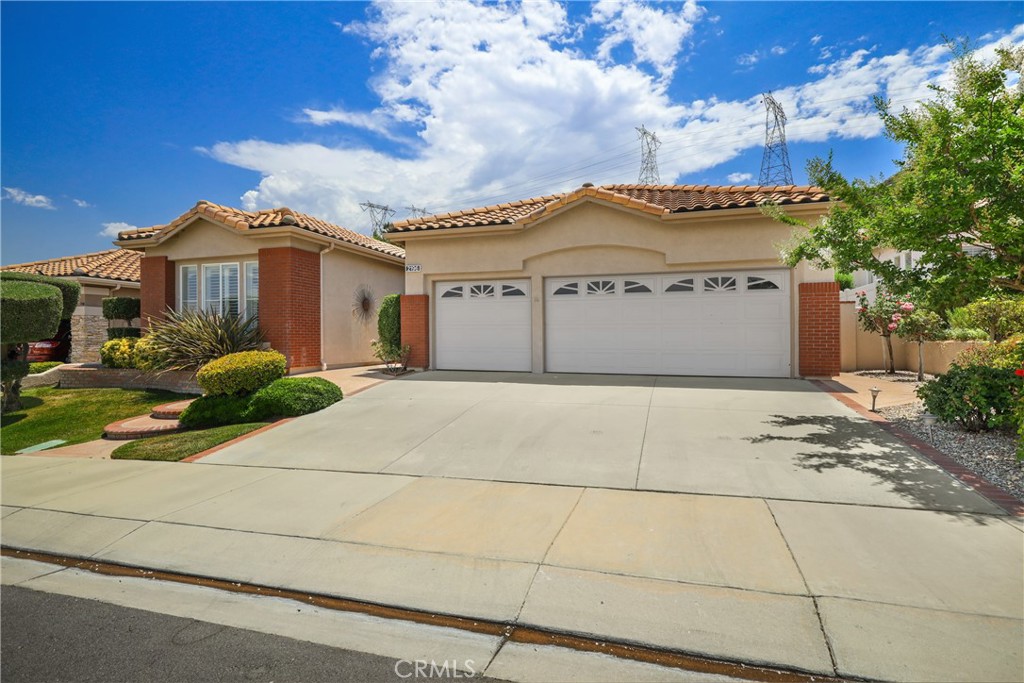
(510, 632)
(237, 439)
(979, 484)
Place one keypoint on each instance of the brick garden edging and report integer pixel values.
(971, 479)
(94, 376)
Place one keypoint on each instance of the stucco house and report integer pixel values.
(114, 272)
(314, 286)
(666, 279)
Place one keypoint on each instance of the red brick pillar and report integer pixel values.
(289, 304)
(819, 329)
(416, 328)
(157, 288)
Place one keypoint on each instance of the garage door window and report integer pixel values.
(568, 289)
(720, 284)
(601, 287)
(511, 290)
(481, 291)
(637, 287)
(684, 285)
(755, 284)
(452, 293)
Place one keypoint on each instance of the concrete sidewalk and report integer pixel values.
(837, 589)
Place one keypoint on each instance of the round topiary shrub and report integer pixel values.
(291, 397)
(69, 289)
(241, 373)
(119, 353)
(31, 311)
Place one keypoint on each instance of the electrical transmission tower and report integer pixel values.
(416, 210)
(380, 216)
(775, 168)
(649, 144)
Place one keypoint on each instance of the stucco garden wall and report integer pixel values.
(862, 350)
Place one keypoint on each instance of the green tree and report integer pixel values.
(960, 184)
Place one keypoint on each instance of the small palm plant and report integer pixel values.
(189, 339)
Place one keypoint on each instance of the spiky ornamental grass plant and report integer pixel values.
(188, 340)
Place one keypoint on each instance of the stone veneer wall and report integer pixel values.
(88, 334)
(99, 377)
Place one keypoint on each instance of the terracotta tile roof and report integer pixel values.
(112, 264)
(654, 199)
(267, 218)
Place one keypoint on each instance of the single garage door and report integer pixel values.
(716, 323)
(483, 325)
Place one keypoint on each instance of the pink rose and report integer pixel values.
(907, 306)
(897, 317)
(892, 327)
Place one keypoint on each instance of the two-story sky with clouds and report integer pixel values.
(116, 115)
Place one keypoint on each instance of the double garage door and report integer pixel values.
(717, 323)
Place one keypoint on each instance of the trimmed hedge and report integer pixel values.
(214, 411)
(389, 321)
(286, 397)
(293, 396)
(40, 367)
(976, 397)
(126, 308)
(31, 311)
(69, 289)
(119, 353)
(241, 373)
(120, 332)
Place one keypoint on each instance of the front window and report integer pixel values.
(220, 288)
(189, 288)
(252, 289)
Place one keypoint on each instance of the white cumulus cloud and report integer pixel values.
(494, 102)
(81, 203)
(737, 178)
(111, 229)
(19, 196)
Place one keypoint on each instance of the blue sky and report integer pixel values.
(126, 114)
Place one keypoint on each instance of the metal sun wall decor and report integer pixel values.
(363, 304)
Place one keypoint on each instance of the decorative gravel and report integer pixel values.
(990, 454)
(900, 376)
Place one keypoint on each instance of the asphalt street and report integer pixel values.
(50, 637)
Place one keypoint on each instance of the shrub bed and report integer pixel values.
(286, 397)
(41, 367)
(241, 373)
(119, 353)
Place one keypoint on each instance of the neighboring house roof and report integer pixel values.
(267, 218)
(112, 264)
(654, 199)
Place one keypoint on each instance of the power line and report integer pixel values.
(380, 216)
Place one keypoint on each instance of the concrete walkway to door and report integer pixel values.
(826, 547)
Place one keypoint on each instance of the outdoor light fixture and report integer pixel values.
(929, 422)
(875, 391)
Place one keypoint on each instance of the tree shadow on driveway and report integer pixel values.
(838, 442)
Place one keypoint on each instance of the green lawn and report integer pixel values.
(74, 415)
(174, 447)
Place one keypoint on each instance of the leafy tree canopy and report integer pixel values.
(960, 184)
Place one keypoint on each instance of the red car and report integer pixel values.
(56, 348)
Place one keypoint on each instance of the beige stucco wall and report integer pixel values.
(346, 335)
(595, 238)
(203, 241)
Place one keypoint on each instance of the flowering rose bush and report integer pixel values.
(883, 316)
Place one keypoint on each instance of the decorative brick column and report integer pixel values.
(819, 329)
(289, 304)
(416, 328)
(157, 288)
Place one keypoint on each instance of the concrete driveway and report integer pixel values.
(764, 438)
